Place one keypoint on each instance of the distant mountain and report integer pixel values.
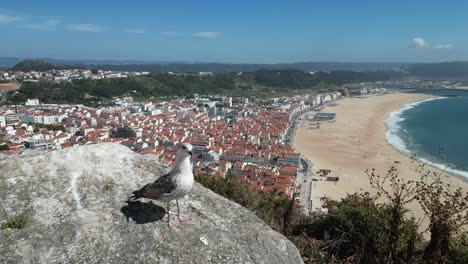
(443, 69)
(8, 62)
(223, 67)
(181, 66)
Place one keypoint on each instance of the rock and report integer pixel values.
(76, 202)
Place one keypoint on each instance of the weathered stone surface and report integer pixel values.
(76, 202)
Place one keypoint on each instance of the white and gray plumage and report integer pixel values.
(172, 186)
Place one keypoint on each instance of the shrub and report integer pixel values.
(17, 222)
(459, 252)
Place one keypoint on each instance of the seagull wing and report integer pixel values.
(163, 185)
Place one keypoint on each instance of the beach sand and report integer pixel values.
(356, 142)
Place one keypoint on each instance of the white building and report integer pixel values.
(39, 119)
(326, 98)
(33, 101)
(49, 119)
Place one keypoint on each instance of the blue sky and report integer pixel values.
(237, 31)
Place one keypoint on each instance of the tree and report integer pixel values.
(447, 209)
(399, 192)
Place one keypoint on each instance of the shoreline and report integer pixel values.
(357, 141)
(401, 147)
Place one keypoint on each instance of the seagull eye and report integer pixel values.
(183, 147)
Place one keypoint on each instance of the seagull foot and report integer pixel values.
(173, 224)
(184, 217)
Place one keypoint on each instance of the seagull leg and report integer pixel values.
(183, 217)
(169, 223)
(178, 209)
(168, 215)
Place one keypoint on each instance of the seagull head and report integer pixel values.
(185, 150)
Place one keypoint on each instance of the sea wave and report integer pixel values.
(394, 129)
(445, 168)
(395, 132)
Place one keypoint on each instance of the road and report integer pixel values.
(305, 175)
(306, 192)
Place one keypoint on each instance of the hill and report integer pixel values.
(38, 65)
(259, 83)
(181, 66)
(430, 70)
(70, 206)
(243, 67)
(436, 70)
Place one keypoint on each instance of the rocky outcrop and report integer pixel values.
(76, 203)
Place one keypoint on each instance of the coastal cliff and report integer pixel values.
(73, 206)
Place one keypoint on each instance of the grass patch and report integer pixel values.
(17, 222)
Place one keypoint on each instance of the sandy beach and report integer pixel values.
(356, 142)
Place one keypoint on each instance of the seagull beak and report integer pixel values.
(190, 152)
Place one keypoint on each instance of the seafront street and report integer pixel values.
(305, 177)
(305, 174)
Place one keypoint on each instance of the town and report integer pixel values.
(244, 137)
(64, 75)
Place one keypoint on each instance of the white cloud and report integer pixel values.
(206, 34)
(135, 30)
(420, 43)
(48, 25)
(85, 27)
(443, 46)
(172, 33)
(5, 18)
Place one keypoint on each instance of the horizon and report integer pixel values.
(205, 62)
(262, 32)
(118, 61)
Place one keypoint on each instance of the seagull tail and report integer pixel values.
(138, 194)
(135, 195)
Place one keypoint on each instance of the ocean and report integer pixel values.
(434, 130)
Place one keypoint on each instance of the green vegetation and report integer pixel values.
(4, 146)
(259, 83)
(19, 221)
(459, 252)
(274, 209)
(37, 65)
(37, 127)
(359, 228)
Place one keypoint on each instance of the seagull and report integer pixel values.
(173, 185)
